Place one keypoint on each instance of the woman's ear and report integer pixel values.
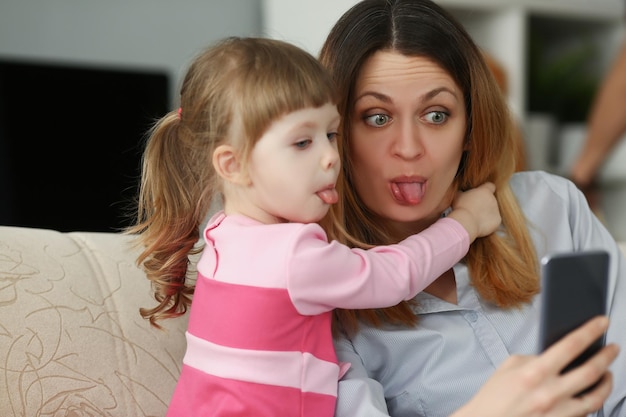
(227, 165)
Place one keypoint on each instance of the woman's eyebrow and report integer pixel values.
(433, 93)
(427, 96)
(378, 96)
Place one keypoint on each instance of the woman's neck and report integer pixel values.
(401, 230)
(444, 287)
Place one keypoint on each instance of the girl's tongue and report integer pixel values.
(408, 192)
(329, 196)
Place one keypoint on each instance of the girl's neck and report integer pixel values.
(244, 208)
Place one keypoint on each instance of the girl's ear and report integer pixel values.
(227, 165)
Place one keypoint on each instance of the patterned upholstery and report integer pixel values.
(72, 342)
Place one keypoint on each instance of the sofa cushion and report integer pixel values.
(72, 342)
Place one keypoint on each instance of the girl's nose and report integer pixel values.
(330, 157)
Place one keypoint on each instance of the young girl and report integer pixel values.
(257, 126)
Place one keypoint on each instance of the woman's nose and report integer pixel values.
(408, 143)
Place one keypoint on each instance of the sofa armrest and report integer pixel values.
(72, 341)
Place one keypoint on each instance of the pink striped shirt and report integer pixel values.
(259, 339)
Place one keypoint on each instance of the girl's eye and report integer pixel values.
(332, 136)
(437, 117)
(377, 120)
(302, 144)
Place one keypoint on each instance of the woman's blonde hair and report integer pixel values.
(231, 93)
(503, 266)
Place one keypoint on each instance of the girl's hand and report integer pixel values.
(477, 210)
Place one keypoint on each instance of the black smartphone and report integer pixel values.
(573, 290)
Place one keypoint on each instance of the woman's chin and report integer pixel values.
(409, 215)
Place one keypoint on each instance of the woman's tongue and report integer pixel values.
(408, 192)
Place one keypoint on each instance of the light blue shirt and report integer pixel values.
(435, 368)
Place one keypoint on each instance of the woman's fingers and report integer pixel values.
(594, 399)
(560, 354)
(563, 352)
(590, 402)
(591, 371)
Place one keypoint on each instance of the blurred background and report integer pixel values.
(82, 81)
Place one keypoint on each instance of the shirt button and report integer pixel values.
(472, 316)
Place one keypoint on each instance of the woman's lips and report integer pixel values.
(408, 191)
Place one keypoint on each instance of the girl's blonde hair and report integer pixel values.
(231, 93)
(503, 266)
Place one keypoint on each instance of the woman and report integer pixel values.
(423, 118)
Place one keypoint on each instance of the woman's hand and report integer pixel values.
(532, 386)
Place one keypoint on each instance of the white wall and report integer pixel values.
(304, 23)
(151, 34)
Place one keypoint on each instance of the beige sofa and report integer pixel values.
(72, 342)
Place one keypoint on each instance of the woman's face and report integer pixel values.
(407, 138)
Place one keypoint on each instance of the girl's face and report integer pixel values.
(407, 139)
(293, 168)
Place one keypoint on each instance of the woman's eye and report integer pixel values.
(377, 120)
(302, 144)
(437, 117)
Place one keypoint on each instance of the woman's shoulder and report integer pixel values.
(532, 183)
(543, 194)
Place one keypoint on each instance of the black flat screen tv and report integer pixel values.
(71, 139)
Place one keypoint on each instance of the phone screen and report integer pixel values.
(574, 290)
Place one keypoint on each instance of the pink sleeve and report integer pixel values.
(323, 276)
